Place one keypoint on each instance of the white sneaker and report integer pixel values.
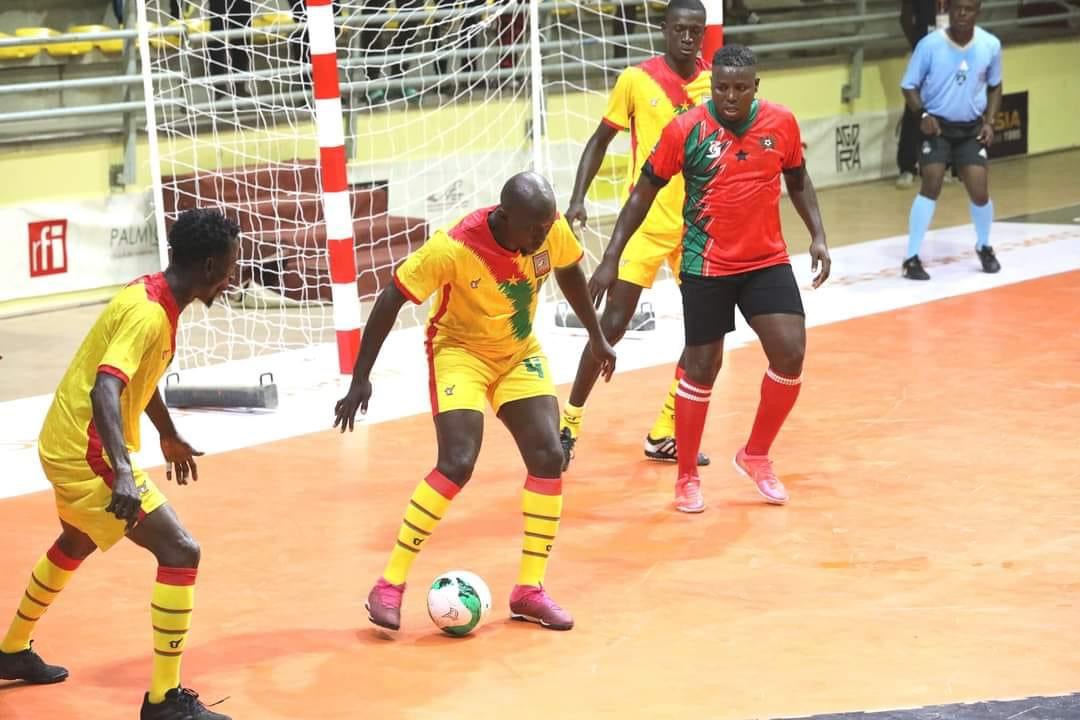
(905, 180)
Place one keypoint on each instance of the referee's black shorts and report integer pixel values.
(709, 302)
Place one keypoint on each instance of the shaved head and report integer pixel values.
(526, 213)
(528, 195)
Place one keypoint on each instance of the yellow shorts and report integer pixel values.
(645, 253)
(464, 380)
(82, 496)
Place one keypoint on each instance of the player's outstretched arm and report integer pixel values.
(571, 281)
(592, 157)
(105, 404)
(630, 218)
(382, 319)
(804, 198)
(179, 455)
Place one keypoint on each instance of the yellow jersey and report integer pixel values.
(133, 339)
(645, 99)
(487, 295)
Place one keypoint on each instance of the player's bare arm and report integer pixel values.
(804, 198)
(591, 160)
(571, 281)
(993, 102)
(179, 454)
(105, 399)
(383, 317)
(630, 218)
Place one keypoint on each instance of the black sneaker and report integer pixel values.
(28, 666)
(180, 704)
(913, 269)
(988, 259)
(665, 450)
(567, 441)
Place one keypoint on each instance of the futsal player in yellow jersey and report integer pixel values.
(486, 272)
(645, 99)
(90, 432)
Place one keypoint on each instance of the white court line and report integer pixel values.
(866, 280)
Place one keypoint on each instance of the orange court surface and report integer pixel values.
(928, 555)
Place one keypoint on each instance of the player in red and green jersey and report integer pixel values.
(731, 152)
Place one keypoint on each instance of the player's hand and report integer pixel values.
(819, 253)
(986, 134)
(576, 212)
(356, 399)
(179, 457)
(602, 279)
(125, 502)
(604, 354)
(929, 126)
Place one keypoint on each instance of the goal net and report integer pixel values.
(440, 103)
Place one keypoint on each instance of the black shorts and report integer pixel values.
(957, 145)
(709, 302)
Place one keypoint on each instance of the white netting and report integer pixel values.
(439, 111)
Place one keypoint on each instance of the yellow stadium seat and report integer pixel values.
(105, 46)
(33, 32)
(17, 53)
(271, 20)
(191, 25)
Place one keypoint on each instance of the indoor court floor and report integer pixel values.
(929, 555)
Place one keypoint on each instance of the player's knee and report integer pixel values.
(613, 323)
(182, 552)
(788, 359)
(458, 467)
(75, 545)
(979, 197)
(546, 459)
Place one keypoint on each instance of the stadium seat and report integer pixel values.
(106, 46)
(59, 50)
(31, 50)
(271, 20)
(17, 53)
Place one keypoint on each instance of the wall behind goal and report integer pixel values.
(78, 170)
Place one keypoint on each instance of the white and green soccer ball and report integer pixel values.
(457, 601)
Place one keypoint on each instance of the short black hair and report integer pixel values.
(199, 234)
(692, 5)
(734, 56)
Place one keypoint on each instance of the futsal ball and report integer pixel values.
(457, 601)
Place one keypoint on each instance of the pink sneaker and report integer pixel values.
(532, 603)
(759, 469)
(384, 604)
(688, 498)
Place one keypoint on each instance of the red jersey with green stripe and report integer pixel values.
(731, 215)
(486, 295)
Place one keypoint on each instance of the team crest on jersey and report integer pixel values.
(541, 264)
(717, 148)
(767, 142)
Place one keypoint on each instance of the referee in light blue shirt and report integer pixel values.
(954, 83)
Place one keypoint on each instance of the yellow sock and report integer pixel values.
(170, 613)
(571, 419)
(665, 421)
(541, 504)
(428, 504)
(49, 577)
